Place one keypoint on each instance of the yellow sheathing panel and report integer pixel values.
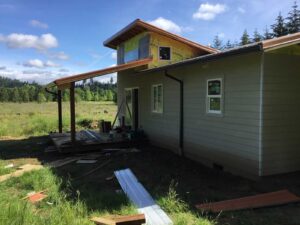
(133, 43)
(179, 51)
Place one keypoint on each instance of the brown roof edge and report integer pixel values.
(276, 42)
(67, 80)
(150, 27)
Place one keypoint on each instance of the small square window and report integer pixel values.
(164, 53)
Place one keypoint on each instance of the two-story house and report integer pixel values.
(235, 109)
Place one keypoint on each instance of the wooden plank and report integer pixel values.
(120, 220)
(21, 170)
(141, 198)
(72, 113)
(62, 162)
(65, 81)
(257, 201)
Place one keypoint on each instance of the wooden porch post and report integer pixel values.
(72, 112)
(59, 111)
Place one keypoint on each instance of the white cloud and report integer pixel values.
(58, 55)
(114, 55)
(209, 11)
(38, 24)
(37, 63)
(34, 63)
(42, 42)
(64, 70)
(166, 24)
(221, 35)
(51, 64)
(2, 67)
(241, 10)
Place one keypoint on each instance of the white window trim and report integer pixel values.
(159, 51)
(216, 112)
(152, 98)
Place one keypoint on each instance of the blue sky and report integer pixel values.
(42, 40)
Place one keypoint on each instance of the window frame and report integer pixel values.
(220, 96)
(153, 98)
(158, 49)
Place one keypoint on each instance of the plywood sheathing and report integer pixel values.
(251, 202)
(120, 220)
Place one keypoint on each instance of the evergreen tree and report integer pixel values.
(111, 80)
(4, 96)
(256, 36)
(293, 20)
(279, 28)
(15, 95)
(267, 35)
(66, 95)
(229, 45)
(41, 97)
(217, 43)
(109, 95)
(88, 95)
(245, 39)
(25, 96)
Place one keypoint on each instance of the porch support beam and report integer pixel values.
(59, 111)
(72, 112)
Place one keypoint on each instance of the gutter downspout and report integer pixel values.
(181, 112)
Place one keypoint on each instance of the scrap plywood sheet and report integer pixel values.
(142, 199)
(120, 220)
(251, 202)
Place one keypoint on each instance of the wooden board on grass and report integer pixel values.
(137, 219)
(251, 202)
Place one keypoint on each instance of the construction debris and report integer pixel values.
(21, 170)
(137, 219)
(95, 169)
(141, 198)
(86, 161)
(251, 202)
(11, 165)
(110, 178)
(35, 197)
(62, 162)
(50, 149)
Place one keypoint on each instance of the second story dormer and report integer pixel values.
(141, 40)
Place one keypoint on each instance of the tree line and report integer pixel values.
(18, 91)
(282, 26)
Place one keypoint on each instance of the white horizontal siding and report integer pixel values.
(281, 130)
(231, 140)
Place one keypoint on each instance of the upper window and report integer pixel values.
(157, 98)
(214, 96)
(164, 53)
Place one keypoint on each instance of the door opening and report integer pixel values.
(132, 108)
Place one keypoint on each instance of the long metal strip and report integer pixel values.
(141, 198)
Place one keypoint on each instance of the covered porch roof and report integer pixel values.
(65, 82)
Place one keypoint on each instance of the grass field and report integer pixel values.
(177, 184)
(32, 119)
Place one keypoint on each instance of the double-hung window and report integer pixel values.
(157, 98)
(214, 96)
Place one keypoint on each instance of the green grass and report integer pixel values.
(180, 211)
(3, 170)
(63, 206)
(58, 210)
(33, 119)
